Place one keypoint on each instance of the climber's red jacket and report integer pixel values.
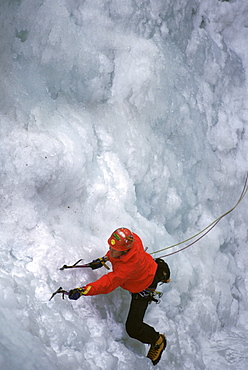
(133, 271)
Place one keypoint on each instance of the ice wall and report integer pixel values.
(122, 113)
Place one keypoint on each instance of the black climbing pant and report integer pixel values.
(135, 326)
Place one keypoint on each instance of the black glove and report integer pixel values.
(76, 293)
(96, 264)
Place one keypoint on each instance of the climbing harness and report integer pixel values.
(208, 228)
(149, 295)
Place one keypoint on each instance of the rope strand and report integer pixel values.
(207, 228)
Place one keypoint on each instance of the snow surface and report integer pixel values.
(122, 113)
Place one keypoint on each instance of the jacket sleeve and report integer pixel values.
(106, 284)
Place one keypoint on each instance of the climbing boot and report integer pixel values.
(156, 350)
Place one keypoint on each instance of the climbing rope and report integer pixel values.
(206, 230)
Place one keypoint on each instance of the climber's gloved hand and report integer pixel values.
(99, 262)
(76, 293)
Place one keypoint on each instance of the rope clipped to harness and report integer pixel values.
(162, 276)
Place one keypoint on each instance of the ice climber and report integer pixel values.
(136, 271)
